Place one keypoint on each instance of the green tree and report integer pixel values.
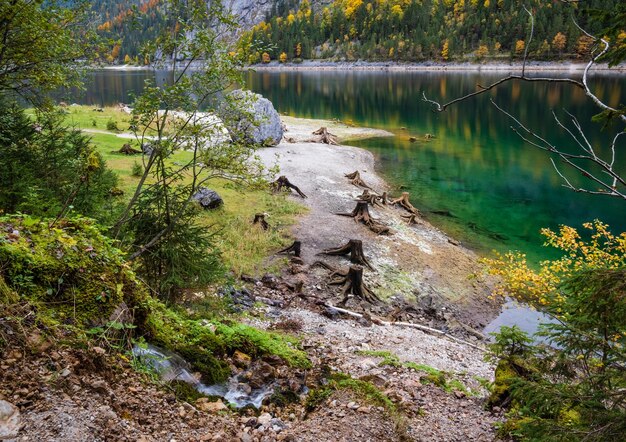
(41, 42)
(159, 224)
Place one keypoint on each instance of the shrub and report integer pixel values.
(112, 125)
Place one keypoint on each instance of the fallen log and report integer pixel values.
(361, 214)
(355, 179)
(282, 182)
(259, 218)
(354, 248)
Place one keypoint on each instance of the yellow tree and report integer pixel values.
(482, 51)
(445, 51)
(558, 42)
(265, 57)
(519, 47)
(283, 57)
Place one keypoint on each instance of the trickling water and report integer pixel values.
(171, 367)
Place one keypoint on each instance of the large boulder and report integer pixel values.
(251, 119)
(207, 198)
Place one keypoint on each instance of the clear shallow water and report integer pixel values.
(497, 192)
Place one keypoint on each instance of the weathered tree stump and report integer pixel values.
(404, 202)
(383, 199)
(361, 213)
(368, 196)
(127, 149)
(355, 178)
(354, 248)
(282, 182)
(411, 219)
(352, 285)
(259, 218)
(295, 248)
(325, 137)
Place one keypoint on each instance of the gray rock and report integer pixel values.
(207, 198)
(10, 420)
(251, 119)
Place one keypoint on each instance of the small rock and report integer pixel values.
(363, 409)
(9, 420)
(210, 407)
(99, 351)
(264, 419)
(241, 359)
(65, 373)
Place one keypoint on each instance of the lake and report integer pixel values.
(488, 188)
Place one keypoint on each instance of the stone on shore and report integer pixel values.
(207, 198)
(251, 119)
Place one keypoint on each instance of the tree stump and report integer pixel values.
(352, 285)
(259, 218)
(370, 197)
(404, 202)
(295, 248)
(383, 199)
(355, 179)
(127, 149)
(325, 137)
(361, 213)
(411, 219)
(282, 182)
(354, 247)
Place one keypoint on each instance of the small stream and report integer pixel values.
(171, 367)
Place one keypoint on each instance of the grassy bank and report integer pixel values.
(243, 246)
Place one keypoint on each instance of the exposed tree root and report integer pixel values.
(355, 178)
(383, 199)
(354, 248)
(361, 214)
(411, 219)
(282, 182)
(295, 248)
(259, 218)
(323, 136)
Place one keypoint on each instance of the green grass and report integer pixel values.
(244, 247)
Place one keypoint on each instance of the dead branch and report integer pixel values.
(408, 324)
(324, 137)
(295, 248)
(355, 178)
(259, 218)
(354, 248)
(283, 183)
(361, 213)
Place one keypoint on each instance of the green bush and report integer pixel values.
(112, 125)
(137, 170)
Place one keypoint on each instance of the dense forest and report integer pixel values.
(403, 30)
(413, 30)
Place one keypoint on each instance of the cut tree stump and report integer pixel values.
(361, 213)
(411, 219)
(404, 202)
(259, 218)
(127, 149)
(323, 136)
(295, 248)
(383, 199)
(370, 197)
(355, 178)
(354, 248)
(282, 182)
(351, 283)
